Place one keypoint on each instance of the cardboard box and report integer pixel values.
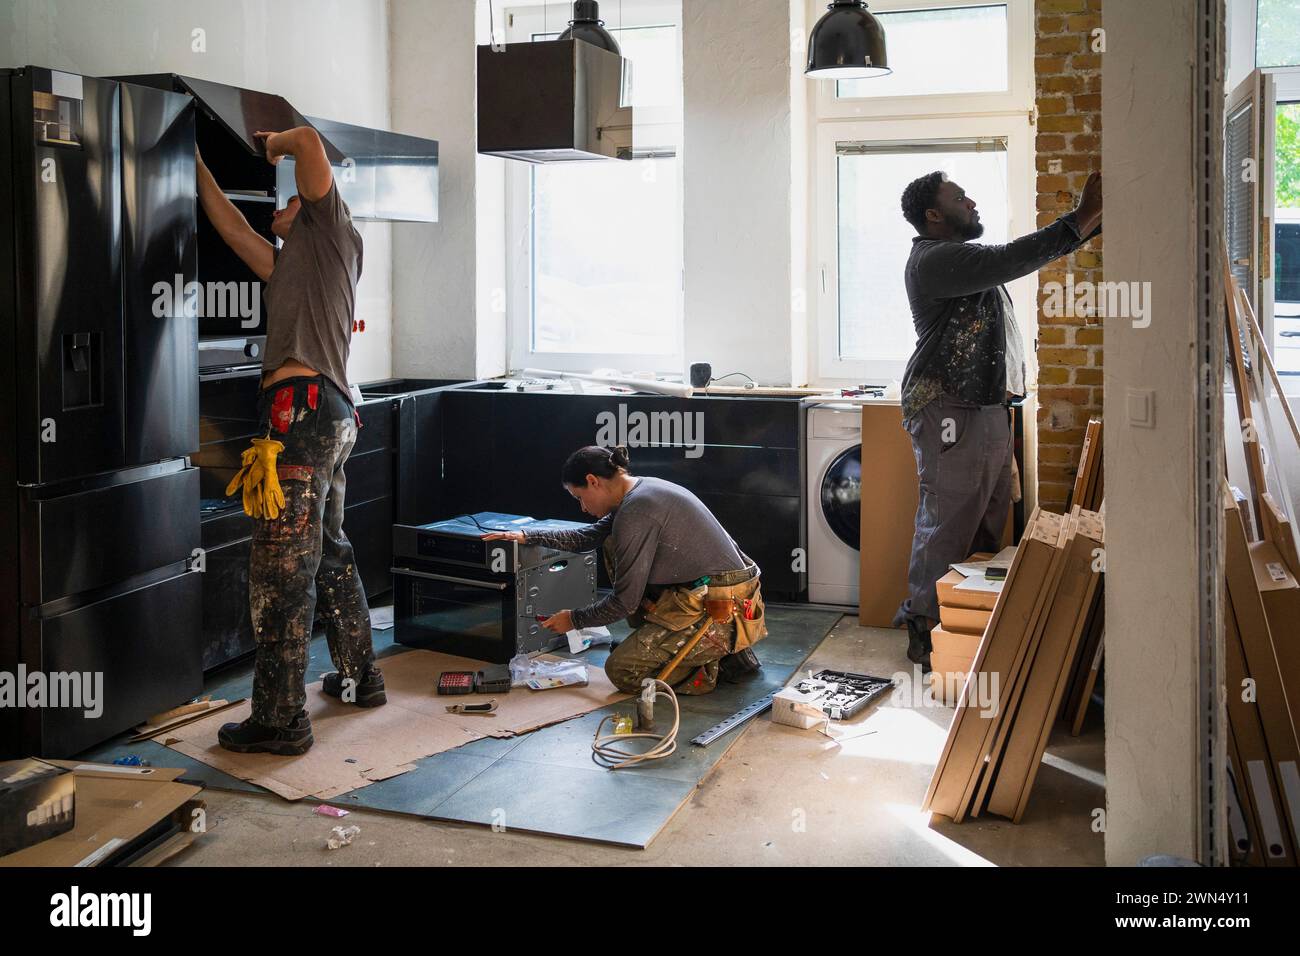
(950, 596)
(888, 514)
(37, 801)
(950, 644)
(947, 685)
(964, 620)
(796, 709)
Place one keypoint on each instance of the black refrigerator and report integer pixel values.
(99, 529)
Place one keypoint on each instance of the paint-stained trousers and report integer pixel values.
(963, 459)
(303, 557)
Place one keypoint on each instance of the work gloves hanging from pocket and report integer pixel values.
(263, 497)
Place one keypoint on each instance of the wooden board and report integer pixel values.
(1241, 386)
(1045, 684)
(1258, 779)
(1015, 616)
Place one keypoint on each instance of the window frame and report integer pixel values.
(1015, 128)
(1285, 90)
(1018, 97)
(521, 23)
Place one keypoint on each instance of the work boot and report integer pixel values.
(918, 643)
(369, 691)
(250, 737)
(741, 664)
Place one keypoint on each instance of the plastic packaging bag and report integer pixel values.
(545, 673)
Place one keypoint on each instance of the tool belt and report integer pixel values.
(736, 596)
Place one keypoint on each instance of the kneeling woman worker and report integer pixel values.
(674, 569)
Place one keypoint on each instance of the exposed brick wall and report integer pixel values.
(1067, 88)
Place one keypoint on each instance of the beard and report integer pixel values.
(965, 231)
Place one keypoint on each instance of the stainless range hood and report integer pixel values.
(554, 101)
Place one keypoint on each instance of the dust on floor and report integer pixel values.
(780, 796)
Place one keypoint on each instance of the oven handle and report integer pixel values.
(496, 586)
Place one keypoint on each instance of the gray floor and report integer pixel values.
(546, 781)
(779, 796)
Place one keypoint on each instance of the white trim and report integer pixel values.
(521, 23)
(1021, 187)
(1018, 98)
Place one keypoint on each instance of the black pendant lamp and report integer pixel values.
(587, 25)
(848, 43)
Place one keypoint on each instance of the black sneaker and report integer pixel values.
(918, 643)
(741, 664)
(369, 691)
(250, 737)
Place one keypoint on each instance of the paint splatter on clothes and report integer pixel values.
(670, 617)
(303, 559)
(960, 312)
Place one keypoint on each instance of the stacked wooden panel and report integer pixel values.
(1029, 650)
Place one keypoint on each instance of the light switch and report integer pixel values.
(1141, 408)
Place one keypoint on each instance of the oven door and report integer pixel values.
(455, 613)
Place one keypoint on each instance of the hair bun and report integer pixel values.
(619, 456)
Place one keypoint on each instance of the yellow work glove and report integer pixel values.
(263, 497)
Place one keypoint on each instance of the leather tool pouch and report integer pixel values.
(677, 609)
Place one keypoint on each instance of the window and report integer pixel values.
(596, 247)
(948, 57)
(1286, 240)
(874, 238)
(946, 50)
(1277, 36)
(959, 100)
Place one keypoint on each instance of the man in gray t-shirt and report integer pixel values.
(300, 555)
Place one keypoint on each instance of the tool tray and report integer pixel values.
(845, 694)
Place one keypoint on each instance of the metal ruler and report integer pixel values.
(749, 712)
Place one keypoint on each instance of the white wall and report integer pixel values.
(737, 186)
(327, 57)
(445, 273)
(1152, 652)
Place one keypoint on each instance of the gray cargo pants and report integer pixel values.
(963, 460)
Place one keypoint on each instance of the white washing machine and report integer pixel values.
(833, 502)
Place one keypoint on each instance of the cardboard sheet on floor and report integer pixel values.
(115, 805)
(355, 747)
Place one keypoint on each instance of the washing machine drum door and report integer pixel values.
(842, 496)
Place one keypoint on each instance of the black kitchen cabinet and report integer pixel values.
(503, 450)
(368, 513)
(228, 423)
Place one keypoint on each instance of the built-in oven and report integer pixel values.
(459, 594)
